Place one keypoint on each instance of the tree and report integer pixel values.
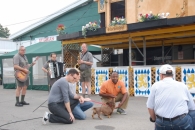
(4, 32)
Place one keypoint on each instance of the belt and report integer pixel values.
(171, 119)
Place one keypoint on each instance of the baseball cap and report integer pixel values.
(164, 68)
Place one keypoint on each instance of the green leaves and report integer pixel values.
(4, 32)
(151, 16)
(118, 21)
(92, 26)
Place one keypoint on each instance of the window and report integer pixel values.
(8, 71)
(39, 77)
(118, 9)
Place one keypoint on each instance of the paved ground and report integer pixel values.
(137, 117)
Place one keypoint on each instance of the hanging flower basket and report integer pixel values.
(91, 26)
(60, 29)
(118, 21)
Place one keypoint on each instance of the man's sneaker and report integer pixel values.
(121, 111)
(45, 118)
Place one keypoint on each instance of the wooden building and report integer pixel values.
(166, 40)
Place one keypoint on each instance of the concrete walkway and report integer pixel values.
(137, 117)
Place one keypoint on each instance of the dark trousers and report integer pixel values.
(60, 113)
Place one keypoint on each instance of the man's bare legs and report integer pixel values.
(23, 93)
(24, 90)
(88, 84)
(18, 89)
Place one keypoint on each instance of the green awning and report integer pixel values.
(44, 48)
(93, 48)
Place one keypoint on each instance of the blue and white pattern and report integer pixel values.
(142, 81)
(123, 75)
(67, 69)
(157, 74)
(188, 77)
(101, 75)
(80, 88)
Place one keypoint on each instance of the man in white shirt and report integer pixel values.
(169, 102)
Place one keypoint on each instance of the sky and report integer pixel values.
(18, 11)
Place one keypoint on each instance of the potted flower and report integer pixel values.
(118, 24)
(151, 16)
(118, 21)
(91, 26)
(60, 29)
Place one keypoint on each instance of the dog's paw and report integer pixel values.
(108, 116)
(100, 118)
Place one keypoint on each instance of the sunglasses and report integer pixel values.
(74, 77)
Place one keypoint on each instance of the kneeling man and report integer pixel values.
(115, 88)
(62, 101)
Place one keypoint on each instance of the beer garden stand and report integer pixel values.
(156, 33)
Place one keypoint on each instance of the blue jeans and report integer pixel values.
(78, 111)
(182, 123)
(192, 114)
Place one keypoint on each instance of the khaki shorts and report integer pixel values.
(22, 84)
(85, 75)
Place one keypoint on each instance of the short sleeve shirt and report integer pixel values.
(46, 65)
(20, 60)
(169, 98)
(86, 57)
(108, 87)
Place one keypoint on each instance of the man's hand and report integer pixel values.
(26, 71)
(33, 63)
(119, 105)
(152, 120)
(87, 99)
(80, 61)
(81, 99)
(48, 72)
(71, 116)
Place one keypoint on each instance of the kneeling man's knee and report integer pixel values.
(83, 117)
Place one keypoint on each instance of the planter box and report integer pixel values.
(116, 28)
(181, 20)
(69, 36)
(147, 25)
(99, 31)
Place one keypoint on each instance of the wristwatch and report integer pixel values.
(151, 120)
